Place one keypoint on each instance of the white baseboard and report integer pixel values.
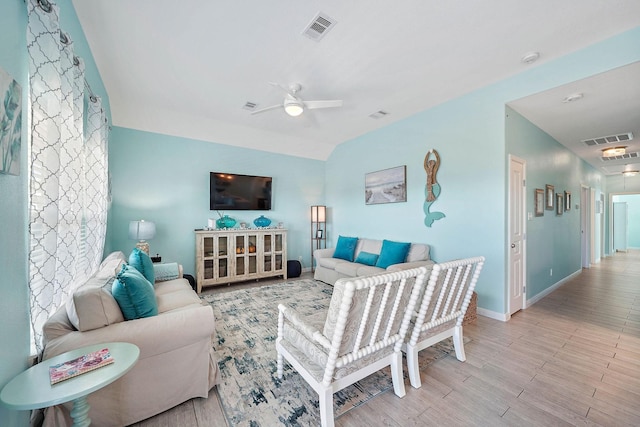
(550, 289)
(503, 317)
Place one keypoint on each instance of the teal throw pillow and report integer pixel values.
(134, 294)
(392, 253)
(141, 262)
(367, 258)
(345, 248)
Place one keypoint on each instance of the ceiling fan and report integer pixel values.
(294, 105)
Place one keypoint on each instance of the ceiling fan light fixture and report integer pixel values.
(630, 173)
(614, 151)
(294, 109)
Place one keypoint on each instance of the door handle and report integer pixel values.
(513, 245)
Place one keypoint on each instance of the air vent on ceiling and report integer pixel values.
(612, 139)
(378, 114)
(624, 156)
(319, 27)
(249, 106)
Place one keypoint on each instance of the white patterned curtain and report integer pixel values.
(68, 169)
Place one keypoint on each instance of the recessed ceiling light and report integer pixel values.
(630, 173)
(573, 97)
(614, 151)
(530, 58)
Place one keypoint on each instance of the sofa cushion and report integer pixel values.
(392, 253)
(92, 306)
(367, 258)
(170, 286)
(348, 268)
(418, 252)
(178, 299)
(134, 294)
(369, 245)
(345, 248)
(111, 265)
(330, 263)
(141, 262)
(365, 270)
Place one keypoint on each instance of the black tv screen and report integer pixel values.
(234, 192)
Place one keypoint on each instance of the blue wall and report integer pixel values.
(165, 179)
(553, 241)
(14, 298)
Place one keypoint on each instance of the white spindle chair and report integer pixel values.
(365, 327)
(442, 309)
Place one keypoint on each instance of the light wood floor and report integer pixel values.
(573, 358)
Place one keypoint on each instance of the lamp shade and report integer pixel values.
(319, 213)
(142, 230)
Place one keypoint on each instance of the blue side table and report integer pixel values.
(32, 388)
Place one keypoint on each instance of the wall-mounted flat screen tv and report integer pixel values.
(233, 192)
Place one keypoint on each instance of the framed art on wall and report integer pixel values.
(567, 200)
(559, 204)
(386, 186)
(539, 202)
(10, 124)
(549, 195)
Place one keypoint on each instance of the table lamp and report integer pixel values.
(142, 231)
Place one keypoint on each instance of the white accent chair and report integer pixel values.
(365, 327)
(442, 309)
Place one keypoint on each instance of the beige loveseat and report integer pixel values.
(176, 361)
(329, 269)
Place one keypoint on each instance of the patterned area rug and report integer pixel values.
(250, 391)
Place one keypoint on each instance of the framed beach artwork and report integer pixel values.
(386, 186)
(10, 124)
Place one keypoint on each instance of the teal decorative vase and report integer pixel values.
(262, 221)
(225, 222)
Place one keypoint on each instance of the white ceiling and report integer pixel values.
(610, 105)
(186, 68)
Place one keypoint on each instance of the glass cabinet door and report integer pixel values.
(252, 260)
(207, 246)
(208, 269)
(223, 253)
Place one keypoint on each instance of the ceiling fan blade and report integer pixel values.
(323, 104)
(282, 88)
(273, 107)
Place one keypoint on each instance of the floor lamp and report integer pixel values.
(318, 229)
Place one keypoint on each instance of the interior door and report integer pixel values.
(517, 234)
(620, 223)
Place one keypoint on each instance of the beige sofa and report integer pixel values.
(176, 361)
(329, 269)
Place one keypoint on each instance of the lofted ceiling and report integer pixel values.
(189, 68)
